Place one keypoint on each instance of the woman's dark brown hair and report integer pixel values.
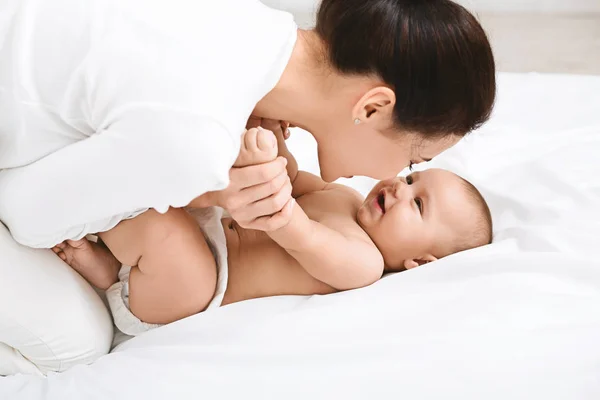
(433, 53)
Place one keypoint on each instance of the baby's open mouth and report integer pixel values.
(381, 201)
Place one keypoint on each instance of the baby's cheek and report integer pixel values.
(408, 231)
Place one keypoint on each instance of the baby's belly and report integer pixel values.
(258, 267)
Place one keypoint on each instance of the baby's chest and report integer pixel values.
(329, 203)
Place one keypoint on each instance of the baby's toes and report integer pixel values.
(267, 142)
(61, 254)
(81, 244)
(258, 146)
(251, 140)
(266, 147)
(247, 141)
(59, 250)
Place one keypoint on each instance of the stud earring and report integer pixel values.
(356, 121)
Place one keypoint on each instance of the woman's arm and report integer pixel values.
(146, 159)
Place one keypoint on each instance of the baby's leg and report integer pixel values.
(174, 273)
(258, 146)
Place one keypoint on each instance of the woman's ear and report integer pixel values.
(409, 264)
(375, 105)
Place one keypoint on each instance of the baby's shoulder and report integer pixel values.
(334, 202)
(346, 191)
(340, 196)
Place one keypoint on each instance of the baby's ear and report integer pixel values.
(409, 264)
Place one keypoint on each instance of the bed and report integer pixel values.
(518, 319)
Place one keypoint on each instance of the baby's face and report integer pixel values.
(417, 219)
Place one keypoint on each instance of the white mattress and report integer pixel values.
(519, 319)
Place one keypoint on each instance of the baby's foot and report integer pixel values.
(94, 262)
(259, 146)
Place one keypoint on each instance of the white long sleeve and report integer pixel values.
(110, 107)
(91, 185)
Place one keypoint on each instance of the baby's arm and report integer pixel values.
(331, 250)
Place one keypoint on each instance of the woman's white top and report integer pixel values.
(110, 107)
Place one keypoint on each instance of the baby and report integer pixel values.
(189, 260)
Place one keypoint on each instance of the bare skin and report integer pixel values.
(323, 249)
(174, 272)
(258, 266)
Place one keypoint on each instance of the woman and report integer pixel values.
(111, 107)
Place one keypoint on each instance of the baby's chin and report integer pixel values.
(362, 217)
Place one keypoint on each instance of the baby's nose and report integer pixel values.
(399, 188)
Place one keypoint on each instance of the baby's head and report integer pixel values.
(423, 217)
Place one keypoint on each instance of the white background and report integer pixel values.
(575, 6)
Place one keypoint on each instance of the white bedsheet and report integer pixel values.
(519, 319)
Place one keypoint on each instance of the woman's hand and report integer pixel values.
(258, 196)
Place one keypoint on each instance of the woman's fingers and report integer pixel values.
(249, 211)
(237, 200)
(258, 195)
(269, 205)
(257, 174)
(264, 190)
(276, 221)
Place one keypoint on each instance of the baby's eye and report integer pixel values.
(419, 204)
(409, 180)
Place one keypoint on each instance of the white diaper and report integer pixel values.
(209, 220)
